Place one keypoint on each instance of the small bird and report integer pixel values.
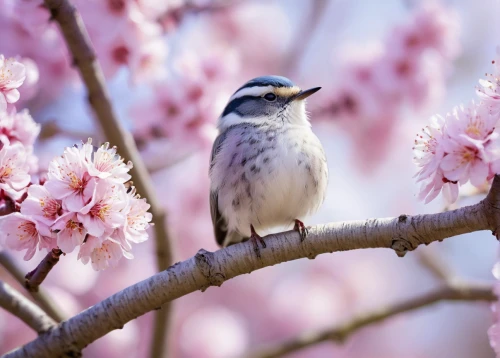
(267, 167)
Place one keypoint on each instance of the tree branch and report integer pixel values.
(303, 40)
(14, 302)
(34, 279)
(40, 297)
(206, 269)
(466, 292)
(84, 58)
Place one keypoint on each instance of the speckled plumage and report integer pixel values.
(267, 168)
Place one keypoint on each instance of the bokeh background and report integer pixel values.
(385, 68)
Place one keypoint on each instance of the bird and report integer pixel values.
(267, 167)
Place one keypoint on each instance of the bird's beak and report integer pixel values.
(304, 94)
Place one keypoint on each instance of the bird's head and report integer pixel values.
(266, 99)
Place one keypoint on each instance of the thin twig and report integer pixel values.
(437, 266)
(34, 279)
(41, 297)
(14, 302)
(205, 269)
(466, 292)
(84, 58)
(299, 46)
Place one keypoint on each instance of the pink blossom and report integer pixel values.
(123, 36)
(108, 164)
(469, 130)
(428, 150)
(464, 162)
(19, 232)
(432, 26)
(102, 253)
(14, 175)
(24, 128)
(104, 212)
(435, 184)
(12, 75)
(70, 232)
(40, 205)
(30, 86)
(489, 89)
(69, 178)
(137, 221)
(475, 121)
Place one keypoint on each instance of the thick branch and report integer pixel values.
(206, 269)
(14, 302)
(341, 333)
(45, 302)
(84, 58)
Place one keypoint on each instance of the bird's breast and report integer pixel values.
(271, 175)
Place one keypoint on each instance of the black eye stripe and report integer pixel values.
(235, 103)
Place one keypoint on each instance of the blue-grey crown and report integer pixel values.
(253, 105)
(263, 81)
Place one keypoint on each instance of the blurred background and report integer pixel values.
(385, 68)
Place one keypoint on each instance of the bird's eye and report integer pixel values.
(270, 97)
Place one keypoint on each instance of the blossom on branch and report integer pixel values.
(462, 147)
(12, 75)
(85, 203)
(20, 232)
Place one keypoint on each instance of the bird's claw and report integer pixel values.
(256, 238)
(301, 228)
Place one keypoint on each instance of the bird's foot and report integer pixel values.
(301, 228)
(255, 240)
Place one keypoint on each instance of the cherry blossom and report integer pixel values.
(12, 75)
(104, 211)
(70, 180)
(101, 253)
(40, 205)
(86, 200)
(137, 221)
(20, 232)
(107, 164)
(378, 81)
(14, 175)
(70, 232)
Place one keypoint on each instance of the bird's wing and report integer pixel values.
(218, 221)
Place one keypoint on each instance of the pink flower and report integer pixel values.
(41, 205)
(469, 130)
(19, 232)
(428, 151)
(104, 212)
(14, 175)
(102, 253)
(69, 179)
(24, 128)
(70, 232)
(137, 221)
(475, 121)
(12, 75)
(489, 89)
(435, 184)
(108, 164)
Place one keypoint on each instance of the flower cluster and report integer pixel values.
(376, 83)
(463, 146)
(184, 107)
(85, 202)
(125, 33)
(18, 133)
